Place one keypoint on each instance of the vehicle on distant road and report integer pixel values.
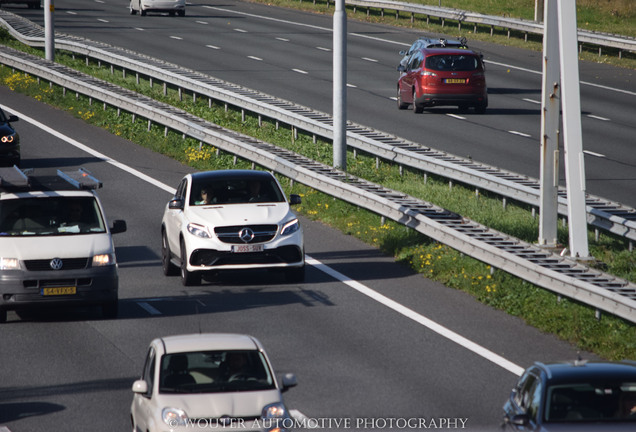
(574, 396)
(55, 246)
(9, 141)
(440, 77)
(231, 220)
(171, 7)
(209, 380)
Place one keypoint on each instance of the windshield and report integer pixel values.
(591, 402)
(50, 216)
(235, 191)
(214, 372)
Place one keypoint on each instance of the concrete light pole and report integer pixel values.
(340, 86)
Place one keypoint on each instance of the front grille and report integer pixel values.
(211, 257)
(67, 264)
(230, 234)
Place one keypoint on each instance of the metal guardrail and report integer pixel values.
(622, 43)
(539, 266)
(603, 214)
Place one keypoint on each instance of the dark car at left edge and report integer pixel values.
(9, 141)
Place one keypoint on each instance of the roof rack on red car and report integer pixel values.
(13, 179)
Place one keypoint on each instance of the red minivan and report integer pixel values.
(438, 76)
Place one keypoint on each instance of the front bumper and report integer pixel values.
(22, 289)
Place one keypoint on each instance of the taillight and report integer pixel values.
(428, 74)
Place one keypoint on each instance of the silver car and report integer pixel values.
(213, 380)
(172, 7)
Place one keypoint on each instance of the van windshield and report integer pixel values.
(50, 216)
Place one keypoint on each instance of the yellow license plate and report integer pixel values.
(53, 291)
(455, 81)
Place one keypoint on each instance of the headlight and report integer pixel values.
(199, 230)
(290, 227)
(103, 260)
(174, 417)
(9, 264)
(275, 410)
(9, 138)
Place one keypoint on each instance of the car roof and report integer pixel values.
(441, 42)
(589, 370)
(448, 51)
(209, 342)
(231, 174)
(15, 180)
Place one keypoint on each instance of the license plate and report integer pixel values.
(455, 81)
(69, 290)
(247, 248)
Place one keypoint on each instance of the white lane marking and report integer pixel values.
(213, 47)
(300, 71)
(138, 28)
(327, 29)
(409, 313)
(591, 153)
(323, 49)
(352, 85)
(598, 117)
(89, 150)
(176, 37)
(370, 59)
(255, 58)
(282, 39)
(71, 12)
(456, 116)
(102, 20)
(532, 101)
(240, 30)
(201, 22)
(519, 133)
(148, 308)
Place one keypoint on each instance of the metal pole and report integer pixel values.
(572, 135)
(550, 107)
(339, 86)
(49, 30)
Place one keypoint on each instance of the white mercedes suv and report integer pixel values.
(228, 220)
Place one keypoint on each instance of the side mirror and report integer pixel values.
(119, 226)
(403, 52)
(13, 118)
(401, 68)
(288, 381)
(175, 204)
(140, 387)
(295, 199)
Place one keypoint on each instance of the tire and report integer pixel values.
(295, 275)
(3, 316)
(169, 269)
(480, 109)
(401, 105)
(188, 278)
(417, 109)
(142, 12)
(132, 11)
(110, 310)
(182, 13)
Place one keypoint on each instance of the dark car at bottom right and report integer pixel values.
(574, 396)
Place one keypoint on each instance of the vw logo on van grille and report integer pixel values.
(246, 234)
(56, 264)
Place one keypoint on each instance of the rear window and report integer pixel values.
(452, 62)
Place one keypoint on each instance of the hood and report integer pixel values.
(239, 214)
(47, 247)
(215, 405)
